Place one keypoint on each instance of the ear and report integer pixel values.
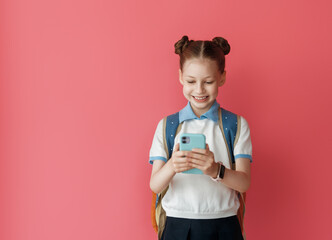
(180, 76)
(222, 79)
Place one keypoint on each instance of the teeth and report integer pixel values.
(200, 98)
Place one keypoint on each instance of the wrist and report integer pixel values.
(216, 171)
(221, 171)
(170, 166)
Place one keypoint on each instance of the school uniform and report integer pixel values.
(194, 204)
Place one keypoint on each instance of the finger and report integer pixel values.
(182, 165)
(198, 156)
(180, 159)
(178, 154)
(199, 150)
(176, 147)
(182, 153)
(207, 147)
(197, 162)
(195, 165)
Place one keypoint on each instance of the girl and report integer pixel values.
(201, 206)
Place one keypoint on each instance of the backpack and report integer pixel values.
(230, 125)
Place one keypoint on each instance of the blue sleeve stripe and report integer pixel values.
(157, 158)
(244, 156)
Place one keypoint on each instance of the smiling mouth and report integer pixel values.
(200, 98)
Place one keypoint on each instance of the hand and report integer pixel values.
(203, 159)
(179, 159)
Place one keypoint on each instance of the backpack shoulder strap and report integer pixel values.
(171, 124)
(230, 125)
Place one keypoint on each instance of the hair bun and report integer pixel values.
(181, 44)
(223, 44)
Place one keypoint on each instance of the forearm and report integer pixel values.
(160, 180)
(237, 180)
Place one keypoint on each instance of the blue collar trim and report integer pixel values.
(187, 113)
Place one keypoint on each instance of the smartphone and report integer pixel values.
(188, 141)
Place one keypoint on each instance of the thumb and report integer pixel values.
(207, 147)
(176, 148)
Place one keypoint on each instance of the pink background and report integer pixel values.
(84, 84)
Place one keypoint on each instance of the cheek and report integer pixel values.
(214, 90)
(187, 90)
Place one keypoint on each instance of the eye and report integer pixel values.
(209, 82)
(190, 82)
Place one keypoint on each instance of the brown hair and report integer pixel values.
(213, 50)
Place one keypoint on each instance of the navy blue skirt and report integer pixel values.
(227, 228)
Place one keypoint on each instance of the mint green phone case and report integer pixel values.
(188, 141)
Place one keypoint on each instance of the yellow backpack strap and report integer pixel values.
(160, 214)
(164, 137)
(241, 211)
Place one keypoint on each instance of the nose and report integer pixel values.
(199, 88)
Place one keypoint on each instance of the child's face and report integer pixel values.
(201, 79)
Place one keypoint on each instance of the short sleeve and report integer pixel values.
(243, 147)
(157, 150)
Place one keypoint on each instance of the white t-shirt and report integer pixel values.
(197, 196)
